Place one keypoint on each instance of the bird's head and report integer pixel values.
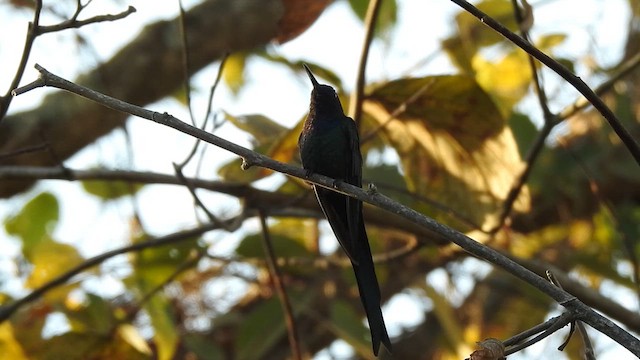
(323, 97)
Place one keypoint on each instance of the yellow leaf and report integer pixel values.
(453, 143)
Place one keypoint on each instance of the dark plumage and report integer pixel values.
(329, 145)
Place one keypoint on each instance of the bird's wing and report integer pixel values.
(334, 207)
(354, 177)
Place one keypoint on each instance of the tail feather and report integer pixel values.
(370, 295)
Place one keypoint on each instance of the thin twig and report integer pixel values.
(185, 63)
(554, 326)
(7, 310)
(532, 155)
(355, 104)
(561, 70)
(186, 265)
(276, 279)
(25, 150)
(588, 346)
(550, 121)
(519, 338)
(5, 101)
(397, 112)
(196, 198)
(74, 24)
(439, 231)
(625, 69)
(214, 86)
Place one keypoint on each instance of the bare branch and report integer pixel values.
(276, 278)
(575, 81)
(73, 23)
(355, 105)
(251, 158)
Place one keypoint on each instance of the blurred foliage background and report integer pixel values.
(451, 144)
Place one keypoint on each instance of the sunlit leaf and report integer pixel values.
(131, 336)
(51, 259)
(453, 144)
(549, 41)
(233, 73)
(35, 220)
(267, 134)
(165, 333)
(473, 34)
(507, 79)
(110, 190)
(10, 348)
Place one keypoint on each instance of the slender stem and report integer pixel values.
(355, 105)
(276, 278)
(559, 69)
(439, 231)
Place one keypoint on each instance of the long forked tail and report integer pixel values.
(370, 295)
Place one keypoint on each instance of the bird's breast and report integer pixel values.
(324, 150)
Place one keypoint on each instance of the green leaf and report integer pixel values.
(473, 34)
(152, 268)
(110, 190)
(95, 315)
(37, 219)
(263, 129)
(523, 130)
(453, 144)
(260, 330)
(232, 171)
(348, 325)
(165, 334)
(203, 347)
(289, 237)
(387, 16)
(388, 178)
(51, 259)
(281, 146)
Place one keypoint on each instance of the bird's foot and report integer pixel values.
(308, 172)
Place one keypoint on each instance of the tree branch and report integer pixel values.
(251, 158)
(559, 69)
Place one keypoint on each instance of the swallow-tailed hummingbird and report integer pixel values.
(329, 145)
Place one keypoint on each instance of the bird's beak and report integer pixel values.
(311, 77)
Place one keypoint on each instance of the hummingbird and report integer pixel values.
(330, 146)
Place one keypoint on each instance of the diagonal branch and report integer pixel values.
(251, 158)
(575, 81)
